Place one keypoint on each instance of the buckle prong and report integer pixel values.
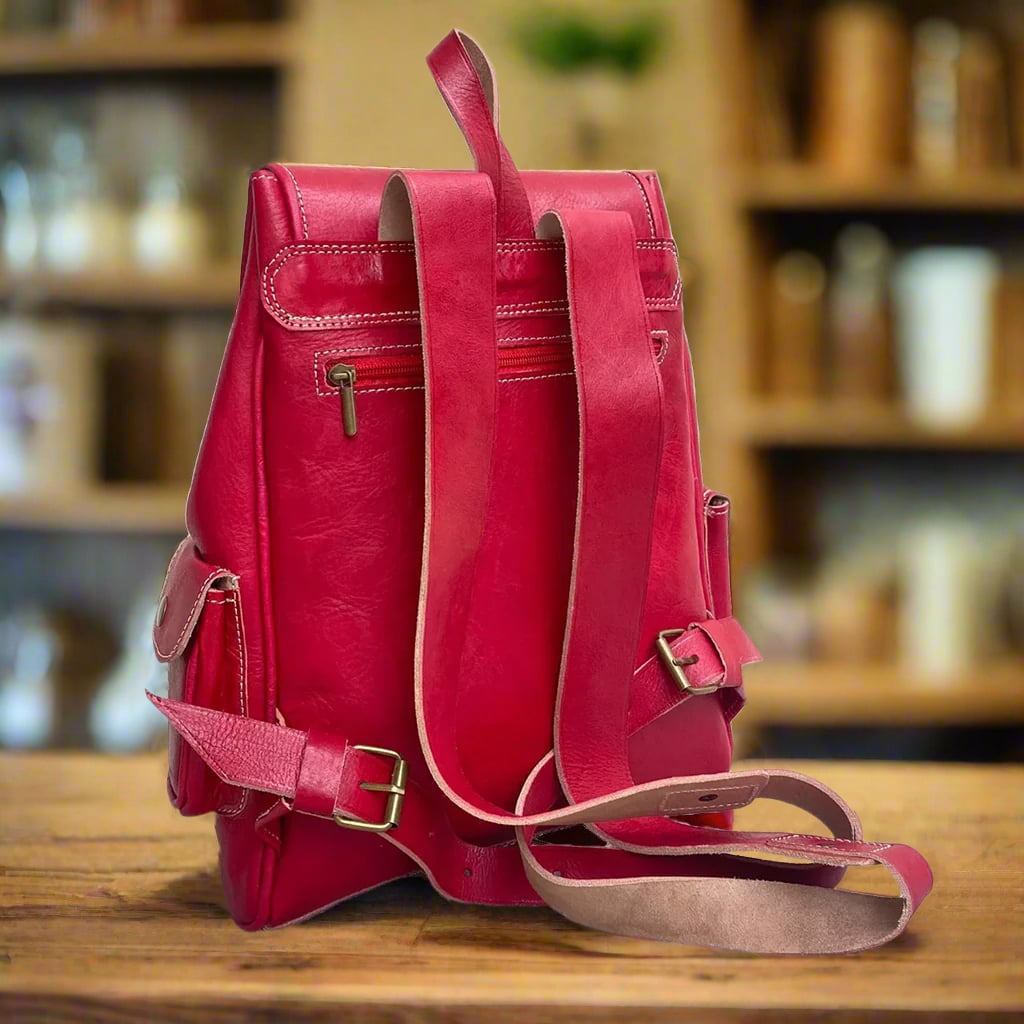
(675, 664)
(395, 790)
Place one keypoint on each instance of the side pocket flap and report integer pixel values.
(189, 579)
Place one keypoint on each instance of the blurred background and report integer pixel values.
(846, 184)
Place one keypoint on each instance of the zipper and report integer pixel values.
(343, 377)
(373, 371)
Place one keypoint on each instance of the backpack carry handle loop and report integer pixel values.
(465, 79)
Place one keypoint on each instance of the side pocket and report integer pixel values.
(716, 516)
(198, 632)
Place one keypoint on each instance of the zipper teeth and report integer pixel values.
(534, 358)
(376, 369)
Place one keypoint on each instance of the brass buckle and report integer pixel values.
(395, 790)
(676, 665)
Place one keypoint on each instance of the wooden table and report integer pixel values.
(110, 909)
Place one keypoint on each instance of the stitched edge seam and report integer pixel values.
(647, 201)
(174, 652)
(302, 205)
(412, 315)
(232, 812)
(329, 392)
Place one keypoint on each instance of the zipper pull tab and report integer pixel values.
(343, 377)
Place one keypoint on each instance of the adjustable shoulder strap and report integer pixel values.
(620, 443)
(616, 380)
(616, 377)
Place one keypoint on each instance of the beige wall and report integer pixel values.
(363, 94)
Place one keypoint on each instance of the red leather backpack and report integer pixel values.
(453, 583)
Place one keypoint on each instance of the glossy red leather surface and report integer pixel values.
(340, 537)
(321, 537)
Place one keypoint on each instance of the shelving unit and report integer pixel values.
(793, 187)
(107, 508)
(213, 287)
(864, 425)
(233, 46)
(224, 53)
(100, 550)
(749, 439)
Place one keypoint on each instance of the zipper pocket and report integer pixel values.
(374, 371)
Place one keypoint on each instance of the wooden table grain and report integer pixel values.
(110, 909)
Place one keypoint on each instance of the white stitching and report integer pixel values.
(263, 814)
(315, 248)
(316, 375)
(406, 315)
(377, 391)
(363, 348)
(412, 316)
(195, 605)
(524, 245)
(513, 309)
(751, 794)
(708, 808)
(264, 177)
(371, 349)
(332, 391)
(318, 366)
(419, 387)
(647, 202)
(663, 348)
(232, 812)
(537, 376)
(671, 299)
(521, 245)
(242, 701)
(535, 304)
(513, 342)
(817, 841)
(302, 205)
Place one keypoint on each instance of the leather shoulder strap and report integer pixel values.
(615, 372)
(681, 881)
(620, 442)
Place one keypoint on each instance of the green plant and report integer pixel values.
(565, 42)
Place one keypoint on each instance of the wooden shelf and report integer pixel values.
(795, 187)
(214, 47)
(854, 424)
(120, 508)
(831, 694)
(212, 287)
